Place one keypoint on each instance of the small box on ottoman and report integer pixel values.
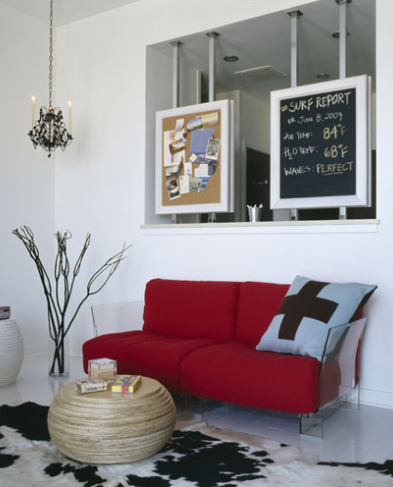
(102, 368)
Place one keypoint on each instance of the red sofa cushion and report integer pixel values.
(191, 309)
(258, 304)
(144, 353)
(239, 374)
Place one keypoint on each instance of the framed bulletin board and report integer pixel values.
(194, 159)
(320, 147)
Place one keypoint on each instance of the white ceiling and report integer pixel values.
(257, 42)
(266, 41)
(65, 11)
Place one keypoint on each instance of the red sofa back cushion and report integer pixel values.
(258, 304)
(191, 309)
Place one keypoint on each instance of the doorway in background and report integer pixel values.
(258, 182)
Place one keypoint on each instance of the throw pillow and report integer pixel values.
(307, 312)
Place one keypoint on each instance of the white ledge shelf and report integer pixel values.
(247, 228)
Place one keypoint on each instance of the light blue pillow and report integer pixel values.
(308, 310)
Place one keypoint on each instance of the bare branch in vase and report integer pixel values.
(58, 296)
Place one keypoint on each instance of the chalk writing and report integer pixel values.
(304, 135)
(336, 151)
(335, 131)
(291, 152)
(334, 168)
(322, 101)
(294, 171)
(318, 140)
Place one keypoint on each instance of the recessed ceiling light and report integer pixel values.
(336, 34)
(231, 59)
(323, 75)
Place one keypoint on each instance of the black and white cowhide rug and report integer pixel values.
(196, 456)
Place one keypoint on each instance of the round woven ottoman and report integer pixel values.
(105, 427)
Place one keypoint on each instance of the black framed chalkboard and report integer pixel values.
(320, 145)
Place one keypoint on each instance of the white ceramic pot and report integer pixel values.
(11, 351)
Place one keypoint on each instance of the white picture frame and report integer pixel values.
(362, 193)
(224, 160)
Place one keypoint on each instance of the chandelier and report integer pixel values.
(49, 131)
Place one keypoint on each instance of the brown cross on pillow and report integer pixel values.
(305, 303)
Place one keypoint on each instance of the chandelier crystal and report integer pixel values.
(49, 131)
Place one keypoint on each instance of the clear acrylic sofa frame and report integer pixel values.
(343, 347)
(117, 317)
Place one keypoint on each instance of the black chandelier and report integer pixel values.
(49, 131)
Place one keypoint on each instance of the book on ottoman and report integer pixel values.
(126, 383)
(5, 312)
(85, 386)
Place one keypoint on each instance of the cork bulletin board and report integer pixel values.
(194, 159)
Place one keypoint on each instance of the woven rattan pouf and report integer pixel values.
(11, 351)
(105, 427)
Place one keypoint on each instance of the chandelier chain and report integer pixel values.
(50, 52)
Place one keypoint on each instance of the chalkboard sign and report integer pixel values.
(320, 145)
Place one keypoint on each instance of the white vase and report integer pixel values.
(11, 351)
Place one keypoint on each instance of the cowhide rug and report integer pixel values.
(196, 456)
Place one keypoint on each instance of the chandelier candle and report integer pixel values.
(69, 119)
(32, 116)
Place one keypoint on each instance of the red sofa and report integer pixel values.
(199, 338)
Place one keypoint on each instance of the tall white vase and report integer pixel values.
(11, 351)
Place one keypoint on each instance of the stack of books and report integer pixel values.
(5, 312)
(102, 368)
(127, 384)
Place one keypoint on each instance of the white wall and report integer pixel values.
(100, 178)
(159, 86)
(26, 175)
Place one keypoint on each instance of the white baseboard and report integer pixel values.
(35, 350)
(381, 399)
(39, 351)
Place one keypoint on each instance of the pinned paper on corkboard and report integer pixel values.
(194, 159)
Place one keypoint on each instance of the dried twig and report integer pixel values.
(58, 297)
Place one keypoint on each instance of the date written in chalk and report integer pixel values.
(317, 118)
(330, 169)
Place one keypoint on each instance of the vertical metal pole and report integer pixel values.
(212, 217)
(198, 87)
(342, 214)
(343, 38)
(212, 64)
(294, 47)
(175, 73)
(293, 212)
(175, 93)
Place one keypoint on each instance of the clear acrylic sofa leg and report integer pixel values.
(314, 424)
(311, 424)
(353, 399)
(341, 350)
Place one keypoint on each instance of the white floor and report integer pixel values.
(349, 435)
